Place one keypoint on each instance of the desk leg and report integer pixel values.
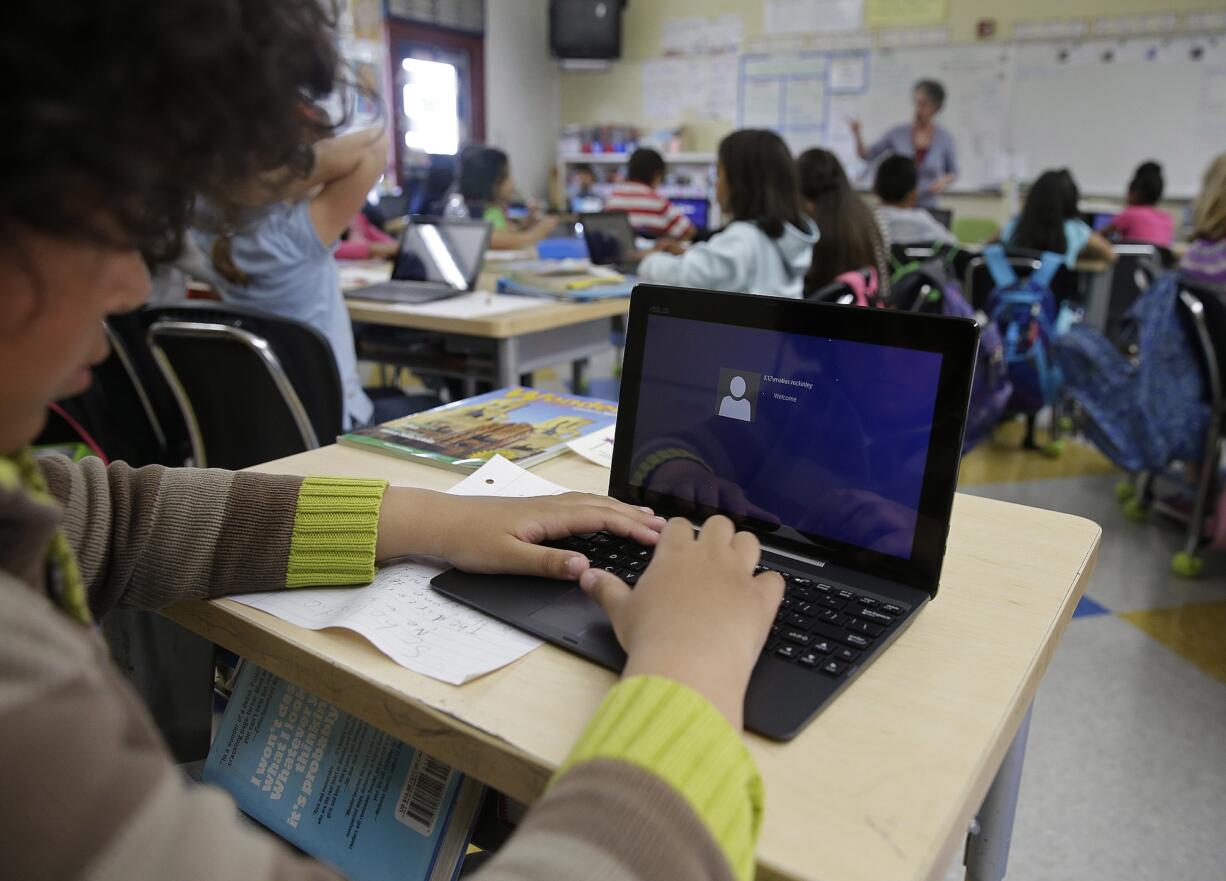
(987, 846)
(507, 367)
(577, 382)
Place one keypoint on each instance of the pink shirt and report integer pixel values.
(361, 233)
(1145, 223)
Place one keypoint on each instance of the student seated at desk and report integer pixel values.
(659, 786)
(650, 214)
(486, 188)
(363, 240)
(851, 238)
(1142, 220)
(1050, 222)
(897, 186)
(279, 258)
(1205, 259)
(767, 246)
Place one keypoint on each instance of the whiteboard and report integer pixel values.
(1098, 107)
(1151, 100)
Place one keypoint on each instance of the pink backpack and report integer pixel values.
(864, 286)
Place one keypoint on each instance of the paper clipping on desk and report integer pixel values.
(596, 447)
(357, 275)
(478, 304)
(415, 626)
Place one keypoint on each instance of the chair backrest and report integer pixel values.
(115, 412)
(839, 292)
(251, 386)
(1204, 313)
(977, 280)
(1136, 267)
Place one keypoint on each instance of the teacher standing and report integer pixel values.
(932, 147)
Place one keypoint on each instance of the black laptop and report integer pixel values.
(438, 258)
(610, 240)
(832, 432)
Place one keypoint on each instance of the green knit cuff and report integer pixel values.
(670, 730)
(336, 524)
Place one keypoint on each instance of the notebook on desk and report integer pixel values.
(833, 433)
(438, 258)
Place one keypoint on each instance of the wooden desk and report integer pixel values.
(882, 785)
(500, 348)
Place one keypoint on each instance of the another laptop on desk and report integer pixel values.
(438, 258)
(610, 240)
(834, 433)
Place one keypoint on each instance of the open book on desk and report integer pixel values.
(338, 788)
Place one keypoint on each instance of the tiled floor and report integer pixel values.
(1125, 771)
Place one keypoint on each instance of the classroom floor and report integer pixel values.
(1125, 770)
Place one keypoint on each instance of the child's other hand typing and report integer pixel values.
(698, 615)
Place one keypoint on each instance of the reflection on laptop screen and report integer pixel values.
(441, 252)
(816, 437)
(609, 237)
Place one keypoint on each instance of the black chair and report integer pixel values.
(251, 386)
(116, 411)
(977, 280)
(1134, 271)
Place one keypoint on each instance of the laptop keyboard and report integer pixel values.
(821, 626)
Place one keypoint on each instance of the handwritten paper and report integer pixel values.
(407, 621)
(402, 617)
(597, 446)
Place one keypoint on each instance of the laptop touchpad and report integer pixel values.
(572, 613)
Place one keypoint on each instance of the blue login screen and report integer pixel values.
(816, 438)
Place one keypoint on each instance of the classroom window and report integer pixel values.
(430, 94)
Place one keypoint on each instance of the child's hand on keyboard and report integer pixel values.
(698, 614)
(485, 534)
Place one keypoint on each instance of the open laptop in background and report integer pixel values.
(610, 240)
(438, 258)
(833, 433)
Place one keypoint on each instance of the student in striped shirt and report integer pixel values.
(651, 214)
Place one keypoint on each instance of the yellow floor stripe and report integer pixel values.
(1194, 631)
(1001, 459)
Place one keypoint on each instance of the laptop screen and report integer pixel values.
(609, 237)
(822, 440)
(449, 253)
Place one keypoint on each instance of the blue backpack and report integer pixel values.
(1024, 311)
(991, 389)
(925, 287)
(1144, 414)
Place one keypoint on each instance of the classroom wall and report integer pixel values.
(615, 96)
(522, 90)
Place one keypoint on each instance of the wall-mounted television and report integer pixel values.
(586, 29)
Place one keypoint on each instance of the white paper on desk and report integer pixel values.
(477, 304)
(597, 446)
(413, 625)
(357, 275)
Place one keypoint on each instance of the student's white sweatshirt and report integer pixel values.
(740, 258)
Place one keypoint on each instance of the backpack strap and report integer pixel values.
(1049, 265)
(1001, 271)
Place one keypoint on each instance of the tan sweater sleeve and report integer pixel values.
(148, 537)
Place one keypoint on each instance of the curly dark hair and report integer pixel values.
(120, 113)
